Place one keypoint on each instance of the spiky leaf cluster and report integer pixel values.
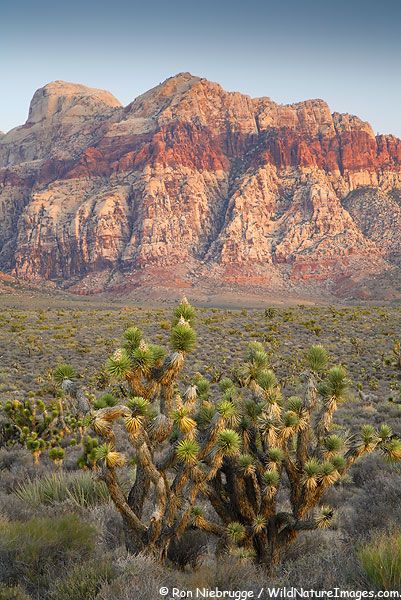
(236, 531)
(228, 442)
(183, 337)
(187, 451)
(62, 372)
(119, 364)
(335, 384)
(184, 311)
(132, 338)
(105, 400)
(317, 358)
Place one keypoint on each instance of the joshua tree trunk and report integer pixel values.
(134, 542)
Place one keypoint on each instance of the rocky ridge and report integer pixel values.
(190, 185)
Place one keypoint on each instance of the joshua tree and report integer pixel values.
(40, 427)
(261, 459)
(162, 433)
(44, 426)
(285, 453)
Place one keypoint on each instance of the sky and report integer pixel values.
(347, 52)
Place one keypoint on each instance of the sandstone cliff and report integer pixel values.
(198, 184)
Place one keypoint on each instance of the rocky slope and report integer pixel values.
(190, 185)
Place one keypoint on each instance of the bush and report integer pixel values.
(235, 574)
(381, 561)
(141, 578)
(35, 550)
(110, 525)
(83, 582)
(13, 593)
(190, 549)
(80, 488)
(325, 563)
(367, 512)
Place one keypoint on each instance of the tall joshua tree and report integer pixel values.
(263, 461)
(162, 434)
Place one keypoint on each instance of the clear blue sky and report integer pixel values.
(346, 52)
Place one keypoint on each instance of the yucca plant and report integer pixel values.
(62, 372)
(236, 532)
(184, 311)
(119, 363)
(228, 442)
(187, 451)
(81, 488)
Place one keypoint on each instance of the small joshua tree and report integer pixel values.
(44, 426)
(233, 452)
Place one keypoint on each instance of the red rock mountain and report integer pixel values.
(190, 184)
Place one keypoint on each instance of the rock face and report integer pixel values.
(193, 180)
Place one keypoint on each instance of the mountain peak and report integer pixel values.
(58, 97)
(183, 76)
(157, 99)
(178, 84)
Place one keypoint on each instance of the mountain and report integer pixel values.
(193, 186)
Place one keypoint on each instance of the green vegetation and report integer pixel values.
(31, 549)
(81, 489)
(381, 560)
(269, 438)
(83, 582)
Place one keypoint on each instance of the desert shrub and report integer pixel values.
(381, 561)
(82, 489)
(376, 504)
(270, 312)
(34, 551)
(237, 574)
(233, 573)
(15, 592)
(14, 509)
(11, 458)
(323, 565)
(166, 325)
(190, 549)
(109, 524)
(83, 581)
(16, 465)
(140, 577)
